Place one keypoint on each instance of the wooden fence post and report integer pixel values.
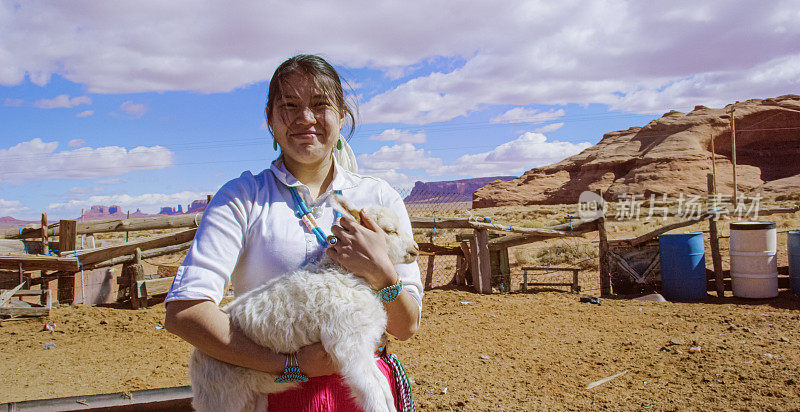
(67, 235)
(481, 266)
(45, 247)
(429, 272)
(462, 266)
(66, 287)
(135, 272)
(716, 258)
(605, 272)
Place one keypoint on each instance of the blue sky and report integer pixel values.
(147, 104)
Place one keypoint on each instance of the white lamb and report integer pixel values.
(319, 303)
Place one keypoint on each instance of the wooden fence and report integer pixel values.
(482, 259)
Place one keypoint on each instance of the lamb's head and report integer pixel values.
(401, 244)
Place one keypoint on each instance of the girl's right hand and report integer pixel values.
(314, 361)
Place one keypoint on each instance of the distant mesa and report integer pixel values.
(8, 221)
(115, 212)
(449, 191)
(672, 155)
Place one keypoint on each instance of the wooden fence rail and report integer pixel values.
(122, 225)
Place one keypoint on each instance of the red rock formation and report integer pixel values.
(451, 191)
(8, 221)
(672, 155)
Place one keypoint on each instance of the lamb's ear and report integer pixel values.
(345, 208)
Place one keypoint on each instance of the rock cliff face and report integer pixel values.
(672, 155)
(453, 190)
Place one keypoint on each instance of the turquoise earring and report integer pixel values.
(274, 145)
(339, 144)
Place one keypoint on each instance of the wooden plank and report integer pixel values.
(605, 270)
(575, 287)
(434, 249)
(465, 223)
(11, 247)
(483, 276)
(474, 264)
(650, 235)
(109, 252)
(7, 294)
(716, 258)
(464, 260)
(24, 311)
(504, 269)
(43, 232)
(441, 223)
(135, 273)
(779, 210)
(577, 229)
(550, 268)
(32, 263)
(67, 235)
(151, 287)
(429, 273)
(120, 260)
(121, 225)
(66, 287)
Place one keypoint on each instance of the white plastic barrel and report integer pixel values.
(754, 264)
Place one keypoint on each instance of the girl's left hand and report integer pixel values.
(362, 250)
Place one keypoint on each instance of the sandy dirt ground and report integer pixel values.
(519, 351)
(536, 350)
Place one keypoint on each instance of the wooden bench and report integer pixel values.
(574, 287)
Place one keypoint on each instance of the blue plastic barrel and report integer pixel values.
(793, 243)
(683, 266)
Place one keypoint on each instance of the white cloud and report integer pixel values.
(396, 179)
(135, 110)
(634, 56)
(11, 207)
(86, 113)
(63, 102)
(13, 102)
(400, 136)
(76, 143)
(552, 127)
(523, 115)
(401, 156)
(147, 202)
(512, 158)
(36, 159)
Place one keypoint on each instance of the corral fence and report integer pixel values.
(458, 248)
(438, 269)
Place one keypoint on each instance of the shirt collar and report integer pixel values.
(341, 178)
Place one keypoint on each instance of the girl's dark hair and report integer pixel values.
(322, 73)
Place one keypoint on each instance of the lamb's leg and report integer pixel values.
(219, 386)
(360, 371)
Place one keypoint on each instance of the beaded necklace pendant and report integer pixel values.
(307, 217)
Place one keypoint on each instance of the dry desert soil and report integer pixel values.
(500, 352)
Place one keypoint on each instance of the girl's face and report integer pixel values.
(305, 123)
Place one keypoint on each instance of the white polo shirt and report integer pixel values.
(250, 233)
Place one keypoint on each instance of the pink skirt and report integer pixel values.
(323, 394)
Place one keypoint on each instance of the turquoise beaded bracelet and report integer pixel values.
(291, 371)
(390, 293)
